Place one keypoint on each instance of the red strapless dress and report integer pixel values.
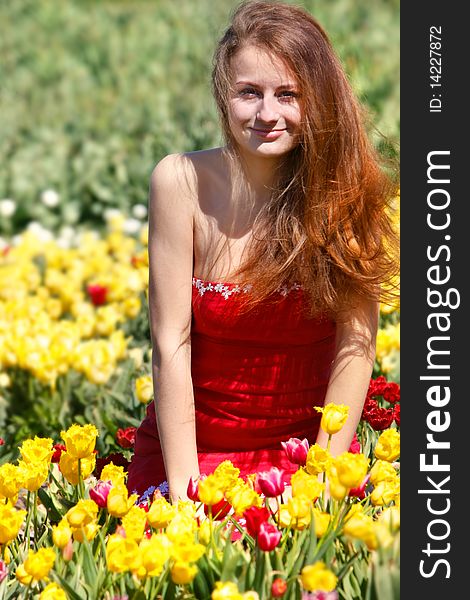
(256, 378)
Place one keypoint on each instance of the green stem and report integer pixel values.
(35, 519)
(81, 487)
(28, 519)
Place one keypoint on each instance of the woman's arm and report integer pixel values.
(351, 371)
(171, 212)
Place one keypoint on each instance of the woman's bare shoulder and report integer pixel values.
(188, 172)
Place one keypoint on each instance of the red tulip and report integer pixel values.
(360, 491)
(58, 449)
(296, 450)
(379, 418)
(268, 537)
(126, 437)
(219, 511)
(271, 483)
(97, 294)
(99, 493)
(396, 414)
(255, 517)
(278, 587)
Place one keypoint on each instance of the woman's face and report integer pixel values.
(264, 107)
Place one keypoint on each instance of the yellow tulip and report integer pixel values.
(144, 389)
(38, 564)
(388, 445)
(113, 473)
(318, 459)
(161, 512)
(317, 577)
(11, 520)
(183, 573)
(321, 520)
(118, 502)
(307, 485)
(154, 552)
(210, 490)
(85, 532)
(242, 497)
(80, 440)
(382, 470)
(61, 533)
(226, 590)
(385, 492)
(122, 554)
(11, 480)
(84, 512)
(134, 523)
(334, 416)
(52, 592)
(69, 467)
(299, 509)
(36, 451)
(181, 528)
(351, 469)
(338, 491)
(33, 475)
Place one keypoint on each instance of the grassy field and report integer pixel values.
(93, 94)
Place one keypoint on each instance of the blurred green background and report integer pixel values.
(94, 93)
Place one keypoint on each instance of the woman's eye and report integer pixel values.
(248, 92)
(288, 95)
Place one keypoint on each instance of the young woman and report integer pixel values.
(267, 257)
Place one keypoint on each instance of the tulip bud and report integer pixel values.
(268, 537)
(193, 490)
(278, 587)
(296, 450)
(271, 483)
(67, 551)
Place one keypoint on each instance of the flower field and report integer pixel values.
(94, 94)
(75, 380)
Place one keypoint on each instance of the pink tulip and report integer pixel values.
(296, 450)
(99, 494)
(271, 483)
(268, 537)
(355, 447)
(3, 570)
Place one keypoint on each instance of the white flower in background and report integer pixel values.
(66, 237)
(5, 380)
(139, 211)
(7, 207)
(3, 244)
(67, 232)
(112, 213)
(50, 198)
(43, 234)
(131, 226)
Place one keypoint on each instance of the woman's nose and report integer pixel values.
(268, 110)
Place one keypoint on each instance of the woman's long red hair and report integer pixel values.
(326, 225)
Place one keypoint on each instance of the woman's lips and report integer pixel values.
(268, 134)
